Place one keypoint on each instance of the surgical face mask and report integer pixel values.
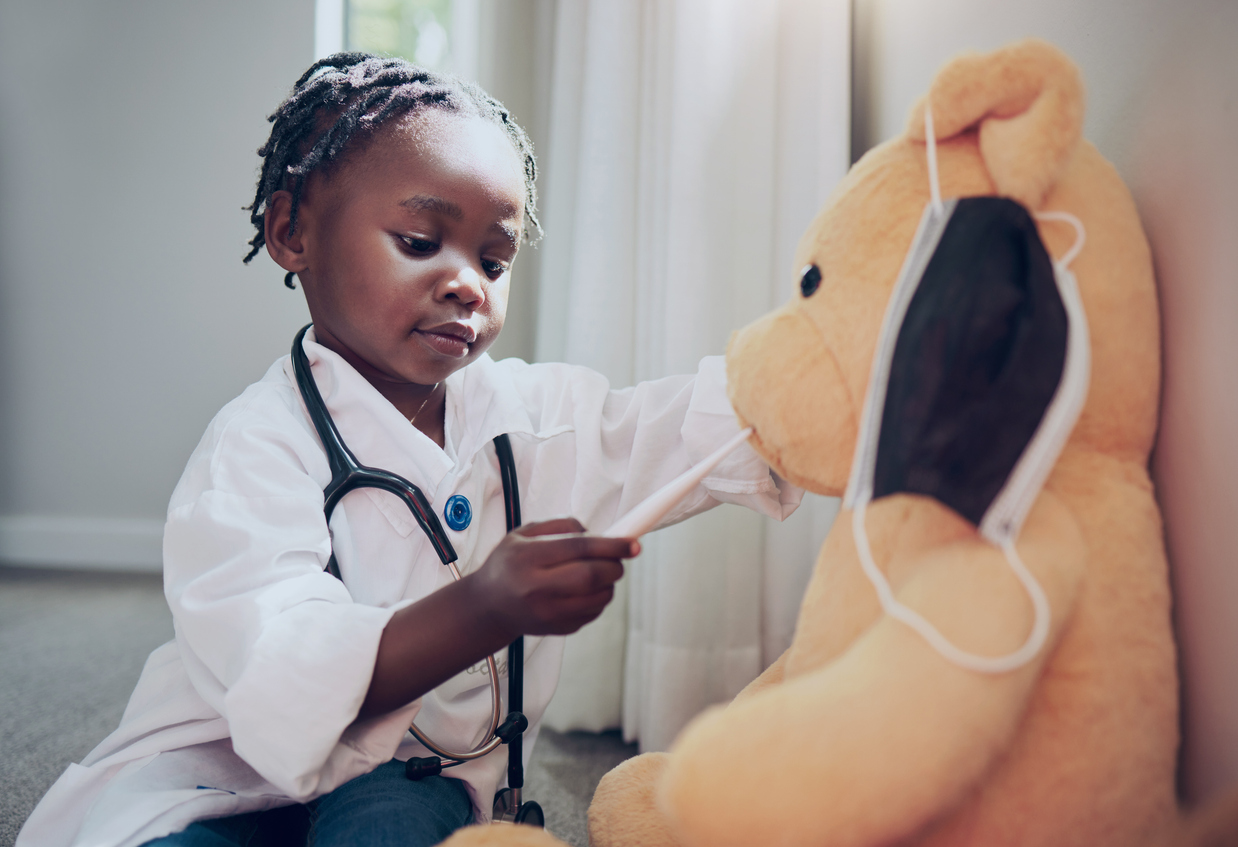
(980, 373)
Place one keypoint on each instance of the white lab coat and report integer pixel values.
(254, 703)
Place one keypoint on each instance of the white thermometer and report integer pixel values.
(647, 513)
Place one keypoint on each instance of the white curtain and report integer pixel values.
(690, 142)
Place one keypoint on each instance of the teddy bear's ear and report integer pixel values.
(1027, 102)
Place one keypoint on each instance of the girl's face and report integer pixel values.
(407, 247)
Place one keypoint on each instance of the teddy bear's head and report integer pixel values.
(1007, 123)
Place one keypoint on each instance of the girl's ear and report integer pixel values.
(283, 245)
(1027, 102)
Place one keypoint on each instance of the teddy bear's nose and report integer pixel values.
(810, 280)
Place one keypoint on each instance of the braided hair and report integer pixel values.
(350, 93)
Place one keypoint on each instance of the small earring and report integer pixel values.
(288, 280)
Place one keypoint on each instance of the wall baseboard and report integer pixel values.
(107, 544)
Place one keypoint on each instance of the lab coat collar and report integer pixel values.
(481, 403)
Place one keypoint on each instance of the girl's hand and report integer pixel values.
(545, 578)
(549, 578)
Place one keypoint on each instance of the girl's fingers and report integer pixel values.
(561, 577)
(583, 577)
(555, 526)
(575, 612)
(566, 548)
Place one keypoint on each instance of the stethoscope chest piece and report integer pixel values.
(509, 809)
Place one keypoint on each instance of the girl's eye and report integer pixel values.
(419, 246)
(494, 270)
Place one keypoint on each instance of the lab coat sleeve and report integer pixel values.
(743, 477)
(271, 641)
(630, 442)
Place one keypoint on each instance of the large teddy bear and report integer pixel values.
(863, 733)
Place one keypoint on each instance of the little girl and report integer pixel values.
(280, 711)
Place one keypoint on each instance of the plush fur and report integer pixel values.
(505, 834)
(861, 734)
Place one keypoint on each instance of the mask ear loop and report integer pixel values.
(969, 661)
(930, 141)
(1080, 235)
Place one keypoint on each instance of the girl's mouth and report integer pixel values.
(445, 343)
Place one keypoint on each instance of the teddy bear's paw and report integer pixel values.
(624, 812)
(502, 835)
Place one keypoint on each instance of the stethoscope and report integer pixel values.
(347, 474)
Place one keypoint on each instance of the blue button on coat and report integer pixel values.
(458, 512)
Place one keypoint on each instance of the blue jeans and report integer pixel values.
(382, 808)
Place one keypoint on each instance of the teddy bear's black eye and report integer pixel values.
(810, 279)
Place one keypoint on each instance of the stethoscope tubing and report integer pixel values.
(348, 474)
(515, 651)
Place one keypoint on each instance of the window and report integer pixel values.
(437, 34)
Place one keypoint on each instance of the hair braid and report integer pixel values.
(350, 93)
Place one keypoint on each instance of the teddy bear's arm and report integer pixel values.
(771, 676)
(876, 744)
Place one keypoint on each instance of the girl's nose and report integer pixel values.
(467, 286)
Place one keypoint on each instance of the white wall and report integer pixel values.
(128, 132)
(1185, 176)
